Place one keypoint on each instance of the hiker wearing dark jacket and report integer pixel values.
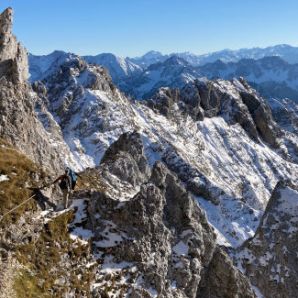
(67, 184)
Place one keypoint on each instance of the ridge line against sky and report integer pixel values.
(169, 54)
(132, 28)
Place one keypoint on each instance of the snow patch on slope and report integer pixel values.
(247, 172)
(4, 178)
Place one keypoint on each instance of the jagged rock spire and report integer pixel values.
(13, 56)
(6, 20)
(19, 124)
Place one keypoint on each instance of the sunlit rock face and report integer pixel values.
(13, 56)
(18, 122)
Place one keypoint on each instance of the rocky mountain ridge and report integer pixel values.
(164, 239)
(274, 78)
(271, 76)
(119, 68)
(174, 109)
(286, 52)
(256, 65)
(173, 194)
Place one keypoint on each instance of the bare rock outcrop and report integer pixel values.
(164, 235)
(128, 160)
(13, 56)
(235, 101)
(159, 239)
(261, 114)
(18, 122)
(269, 259)
(222, 280)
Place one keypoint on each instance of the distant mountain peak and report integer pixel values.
(175, 60)
(152, 53)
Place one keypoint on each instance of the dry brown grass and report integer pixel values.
(21, 172)
(91, 179)
(44, 261)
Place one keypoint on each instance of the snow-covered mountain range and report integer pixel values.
(286, 52)
(119, 68)
(179, 193)
(271, 76)
(74, 85)
(271, 71)
(41, 66)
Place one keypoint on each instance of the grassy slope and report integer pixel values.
(22, 172)
(42, 261)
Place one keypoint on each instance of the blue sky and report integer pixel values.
(133, 27)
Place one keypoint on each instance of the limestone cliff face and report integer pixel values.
(13, 56)
(18, 122)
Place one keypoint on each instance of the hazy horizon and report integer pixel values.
(150, 50)
(132, 28)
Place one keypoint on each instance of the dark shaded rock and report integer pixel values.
(269, 259)
(263, 119)
(196, 182)
(210, 98)
(190, 101)
(223, 281)
(164, 101)
(242, 117)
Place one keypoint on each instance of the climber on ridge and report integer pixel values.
(67, 183)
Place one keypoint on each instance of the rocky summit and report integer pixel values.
(189, 193)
